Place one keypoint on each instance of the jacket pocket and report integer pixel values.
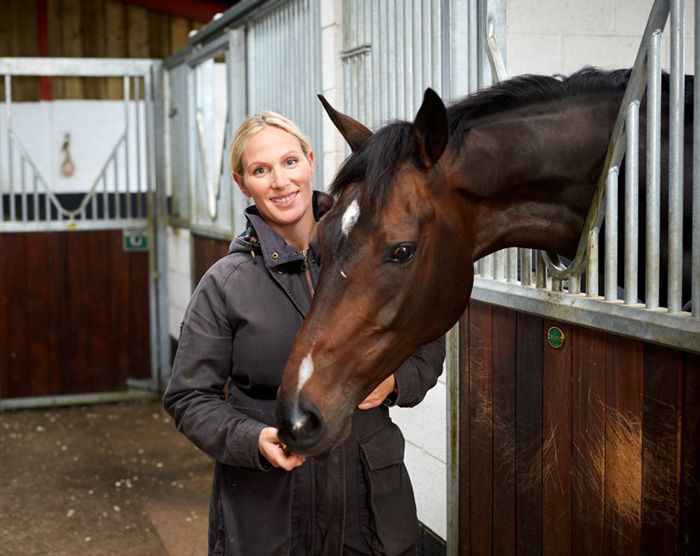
(387, 506)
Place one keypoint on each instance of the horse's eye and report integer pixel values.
(402, 253)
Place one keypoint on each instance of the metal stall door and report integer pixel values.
(78, 264)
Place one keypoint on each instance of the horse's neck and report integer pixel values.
(531, 177)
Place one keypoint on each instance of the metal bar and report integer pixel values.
(87, 67)
(592, 266)
(57, 225)
(512, 265)
(678, 330)
(540, 272)
(36, 402)
(139, 164)
(653, 171)
(10, 172)
(632, 203)
(23, 183)
(574, 285)
(499, 265)
(526, 267)
(35, 196)
(695, 253)
(675, 182)
(127, 144)
(117, 208)
(453, 435)
(611, 234)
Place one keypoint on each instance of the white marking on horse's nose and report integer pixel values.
(352, 213)
(342, 273)
(305, 370)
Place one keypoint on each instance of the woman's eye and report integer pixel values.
(291, 161)
(402, 253)
(259, 171)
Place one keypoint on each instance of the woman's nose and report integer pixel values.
(280, 179)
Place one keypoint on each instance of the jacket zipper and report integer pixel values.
(309, 281)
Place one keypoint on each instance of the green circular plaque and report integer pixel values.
(555, 337)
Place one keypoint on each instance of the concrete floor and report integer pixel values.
(112, 479)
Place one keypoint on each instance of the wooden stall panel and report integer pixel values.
(206, 252)
(556, 449)
(592, 448)
(74, 314)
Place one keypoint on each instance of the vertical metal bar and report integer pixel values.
(105, 194)
(93, 204)
(35, 187)
(499, 265)
(611, 206)
(592, 267)
(653, 171)
(137, 106)
(453, 435)
(10, 162)
(408, 63)
(574, 285)
(512, 270)
(115, 196)
(127, 145)
(525, 266)
(695, 253)
(631, 202)
(23, 184)
(540, 272)
(47, 206)
(675, 182)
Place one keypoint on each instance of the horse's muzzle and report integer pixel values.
(300, 425)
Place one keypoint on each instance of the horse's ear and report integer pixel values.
(352, 131)
(431, 130)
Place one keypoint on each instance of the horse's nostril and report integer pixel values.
(300, 424)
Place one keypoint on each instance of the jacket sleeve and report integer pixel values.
(195, 393)
(419, 373)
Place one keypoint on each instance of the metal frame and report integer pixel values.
(149, 212)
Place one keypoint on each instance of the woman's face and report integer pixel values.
(277, 176)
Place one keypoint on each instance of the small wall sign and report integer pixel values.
(555, 337)
(135, 240)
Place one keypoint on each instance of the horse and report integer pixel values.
(514, 165)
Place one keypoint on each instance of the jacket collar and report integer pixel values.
(260, 238)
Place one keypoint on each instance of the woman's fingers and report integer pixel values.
(275, 452)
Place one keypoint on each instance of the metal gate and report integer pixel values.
(101, 186)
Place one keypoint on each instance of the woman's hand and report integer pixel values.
(379, 394)
(275, 452)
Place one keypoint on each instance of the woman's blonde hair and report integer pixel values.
(255, 123)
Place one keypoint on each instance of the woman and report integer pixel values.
(238, 331)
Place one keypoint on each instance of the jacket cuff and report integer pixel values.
(254, 459)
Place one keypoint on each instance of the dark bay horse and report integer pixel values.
(418, 202)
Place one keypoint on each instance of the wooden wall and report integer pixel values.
(73, 313)
(206, 252)
(593, 448)
(86, 28)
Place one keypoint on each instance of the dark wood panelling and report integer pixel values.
(504, 334)
(690, 510)
(206, 252)
(556, 449)
(623, 446)
(589, 449)
(73, 313)
(661, 459)
(480, 429)
(528, 435)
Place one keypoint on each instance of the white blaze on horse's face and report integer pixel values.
(350, 216)
(305, 370)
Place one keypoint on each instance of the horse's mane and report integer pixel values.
(377, 161)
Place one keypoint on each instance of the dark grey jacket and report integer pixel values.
(238, 330)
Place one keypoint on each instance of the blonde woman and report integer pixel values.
(238, 330)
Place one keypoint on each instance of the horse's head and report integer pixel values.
(393, 275)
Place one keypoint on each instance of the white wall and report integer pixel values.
(179, 277)
(562, 36)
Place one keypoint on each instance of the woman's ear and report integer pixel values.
(310, 157)
(241, 184)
